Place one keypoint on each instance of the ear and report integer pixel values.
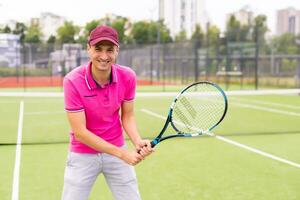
(88, 49)
(117, 49)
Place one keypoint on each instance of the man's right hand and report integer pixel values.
(131, 157)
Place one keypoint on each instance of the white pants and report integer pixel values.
(82, 170)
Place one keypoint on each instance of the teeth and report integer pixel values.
(103, 61)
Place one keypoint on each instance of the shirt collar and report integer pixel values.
(91, 83)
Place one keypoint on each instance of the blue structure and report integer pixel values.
(10, 55)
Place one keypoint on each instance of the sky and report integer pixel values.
(81, 12)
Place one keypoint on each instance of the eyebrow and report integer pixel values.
(101, 45)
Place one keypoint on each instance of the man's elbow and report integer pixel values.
(78, 134)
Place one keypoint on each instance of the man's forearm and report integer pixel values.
(129, 125)
(97, 143)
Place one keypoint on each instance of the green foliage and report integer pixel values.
(198, 34)
(213, 35)
(20, 30)
(90, 26)
(67, 32)
(244, 34)
(289, 65)
(181, 36)
(121, 24)
(140, 32)
(164, 32)
(284, 44)
(6, 29)
(146, 32)
(33, 35)
(233, 30)
(51, 39)
(260, 28)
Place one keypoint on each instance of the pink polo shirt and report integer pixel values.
(101, 105)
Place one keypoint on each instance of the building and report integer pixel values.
(288, 21)
(245, 16)
(48, 23)
(10, 23)
(9, 50)
(183, 15)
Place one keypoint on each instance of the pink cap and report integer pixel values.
(103, 32)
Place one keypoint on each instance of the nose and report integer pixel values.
(103, 56)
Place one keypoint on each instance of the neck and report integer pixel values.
(102, 77)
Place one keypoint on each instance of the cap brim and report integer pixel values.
(94, 42)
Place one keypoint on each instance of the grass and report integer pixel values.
(196, 168)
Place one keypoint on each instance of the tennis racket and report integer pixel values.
(195, 111)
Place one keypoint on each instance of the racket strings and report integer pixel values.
(198, 109)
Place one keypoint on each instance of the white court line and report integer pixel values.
(244, 105)
(236, 143)
(15, 189)
(265, 103)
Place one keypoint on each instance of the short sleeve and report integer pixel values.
(130, 89)
(72, 100)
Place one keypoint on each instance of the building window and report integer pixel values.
(292, 25)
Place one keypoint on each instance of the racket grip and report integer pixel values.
(153, 143)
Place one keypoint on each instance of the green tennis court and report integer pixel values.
(254, 156)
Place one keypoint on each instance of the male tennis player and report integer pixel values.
(93, 95)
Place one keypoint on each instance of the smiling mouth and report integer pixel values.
(103, 62)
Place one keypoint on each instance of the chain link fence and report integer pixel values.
(162, 65)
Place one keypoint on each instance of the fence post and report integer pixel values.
(227, 63)
(207, 51)
(298, 62)
(196, 47)
(256, 55)
(298, 74)
(151, 65)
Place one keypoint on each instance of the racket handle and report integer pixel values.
(153, 143)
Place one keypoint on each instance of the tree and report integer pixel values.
(89, 26)
(140, 32)
(33, 35)
(198, 34)
(146, 32)
(260, 28)
(213, 35)
(6, 29)
(245, 33)
(181, 36)
(51, 39)
(284, 44)
(67, 32)
(20, 30)
(233, 30)
(121, 24)
(164, 32)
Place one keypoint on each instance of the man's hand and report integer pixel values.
(143, 147)
(131, 157)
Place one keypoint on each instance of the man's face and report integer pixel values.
(103, 55)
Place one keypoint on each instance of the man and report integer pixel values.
(94, 94)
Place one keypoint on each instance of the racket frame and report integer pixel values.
(159, 138)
